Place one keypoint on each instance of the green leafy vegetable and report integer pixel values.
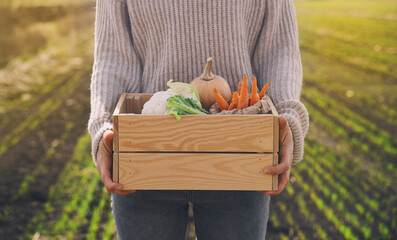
(185, 89)
(179, 105)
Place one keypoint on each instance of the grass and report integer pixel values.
(348, 53)
(76, 195)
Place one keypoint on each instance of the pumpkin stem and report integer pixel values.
(207, 75)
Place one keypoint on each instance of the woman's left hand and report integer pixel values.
(285, 154)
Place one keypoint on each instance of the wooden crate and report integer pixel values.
(197, 152)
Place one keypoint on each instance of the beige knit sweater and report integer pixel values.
(141, 44)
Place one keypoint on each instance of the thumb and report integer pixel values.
(108, 139)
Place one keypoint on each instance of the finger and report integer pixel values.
(105, 162)
(124, 192)
(117, 188)
(110, 186)
(276, 170)
(113, 187)
(283, 181)
(107, 181)
(108, 140)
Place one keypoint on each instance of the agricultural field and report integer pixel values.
(345, 188)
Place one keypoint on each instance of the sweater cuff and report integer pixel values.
(96, 136)
(298, 120)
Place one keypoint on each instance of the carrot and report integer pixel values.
(221, 101)
(239, 88)
(231, 99)
(263, 91)
(234, 101)
(243, 101)
(254, 93)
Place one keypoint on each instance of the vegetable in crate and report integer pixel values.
(263, 91)
(157, 104)
(244, 98)
(254, 92)
(220, 100)
(241, 102)
(206, 83)
(179, 105)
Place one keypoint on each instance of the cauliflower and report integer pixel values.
(157, 105)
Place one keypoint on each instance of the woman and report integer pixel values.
(141, 44)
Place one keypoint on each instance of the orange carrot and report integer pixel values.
(263, 91)
(221, 101)
(254, 93)
(239, 88)
(243, 101)
(234, 101)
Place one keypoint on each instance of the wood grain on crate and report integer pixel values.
(195, 171)
(201, 133)
(115, 167)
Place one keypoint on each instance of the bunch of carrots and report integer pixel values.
(241, 99)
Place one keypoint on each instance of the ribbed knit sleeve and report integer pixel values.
(115, 64)
(277, 60)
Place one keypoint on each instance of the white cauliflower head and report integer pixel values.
(157, 103)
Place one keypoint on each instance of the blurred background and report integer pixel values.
(345, 188)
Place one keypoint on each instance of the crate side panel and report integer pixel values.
(275, 177)
(115, 167)
(195, 171)
(193, 133)
(276, 133)
(116, 133)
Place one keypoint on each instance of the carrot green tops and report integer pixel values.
(141, 44)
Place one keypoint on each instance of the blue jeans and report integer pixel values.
(163, 215)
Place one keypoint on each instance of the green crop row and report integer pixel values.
(303, 209)
(355, 178)
(338, 203)
(322, 207)
(110, 229)
(338, 164)
(339, 133)
(371, 93)
(288, 217)
(29, 178)
(328, 182)
(96, 215)
(334, 175)
(335, 178)
(43, 111)
(36, 93)
(352, 120)
(70, 198)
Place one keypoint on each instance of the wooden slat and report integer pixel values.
(120, 107)
(129, 103)
(275, 177)
(276, 133)
(195, 171)
(196, 133)
(137, 103)
(116, 168)
(116, 133)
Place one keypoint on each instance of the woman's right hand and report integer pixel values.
(104, 164)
